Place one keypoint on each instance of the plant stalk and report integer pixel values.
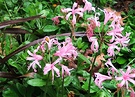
(89, 85)
(46, 84)
(63, 86)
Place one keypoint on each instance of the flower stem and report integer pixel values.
(130, 61)
(118, 94)
(47, 84)
(63, 86)
(7, 9)
(89, 85)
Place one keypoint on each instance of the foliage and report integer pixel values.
(41, 41)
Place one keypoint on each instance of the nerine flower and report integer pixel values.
(66, 50)
(49, 43)
(123, 41)
(100, 78)
(90, 28)
(126, 77)
(73, 12)
(132, 94)
(88, 6)
(35, 58)
(94, 45)
(111, 67)
(111, 49)
(53, 68)
(65, 70)
(108, 14)
(95, 19)
(116, 32)
(56, 19)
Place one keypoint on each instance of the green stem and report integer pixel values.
(63, 86)
(118, 94)
(130, 61)
(7, 9)
(89, 85)
(46, 84)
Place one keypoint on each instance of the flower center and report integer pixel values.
(37, 57)
(125, 76)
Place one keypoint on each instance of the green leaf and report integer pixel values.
(44, 12)
(50, 28)
(121, 60)
(133, 50)
(109, 85)
(132, 41)
(9, 93)
(83, 73)
(36, 82)
(76, 82)
(83, 58)
(68, 80)
(93, 87)
(21, 89)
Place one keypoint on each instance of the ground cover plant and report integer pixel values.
(65, 48)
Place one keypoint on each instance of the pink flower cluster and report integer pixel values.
(65, 51)
(118, 40)
(76, 10)
(35, 58)
(123, 78)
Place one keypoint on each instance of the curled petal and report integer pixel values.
(47, 68)
(67, 16)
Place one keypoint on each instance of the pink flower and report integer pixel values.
(94, 45)
(111, 49)
(115, 22)
(89, 31)
(95, 19)
(52, 67)
(90, 28)
(110, 66)
(123, 41)
(100, 78)
(49, 43)
(115, 32)
(73, 11)
(132, 94)
(65, 70)
(88, 6)
(108, 14)
(66, 50)
(56, 19)
(35, 59)
(126, 76)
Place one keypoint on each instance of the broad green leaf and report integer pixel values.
(83, 73)
(83, 58)
(76, 82)
(132, 41)
(93, 88)
(121, 60)
(109, 85)
(44, 12)
(36, 82)
(50, 28)
(68, 80)
(133, 50)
